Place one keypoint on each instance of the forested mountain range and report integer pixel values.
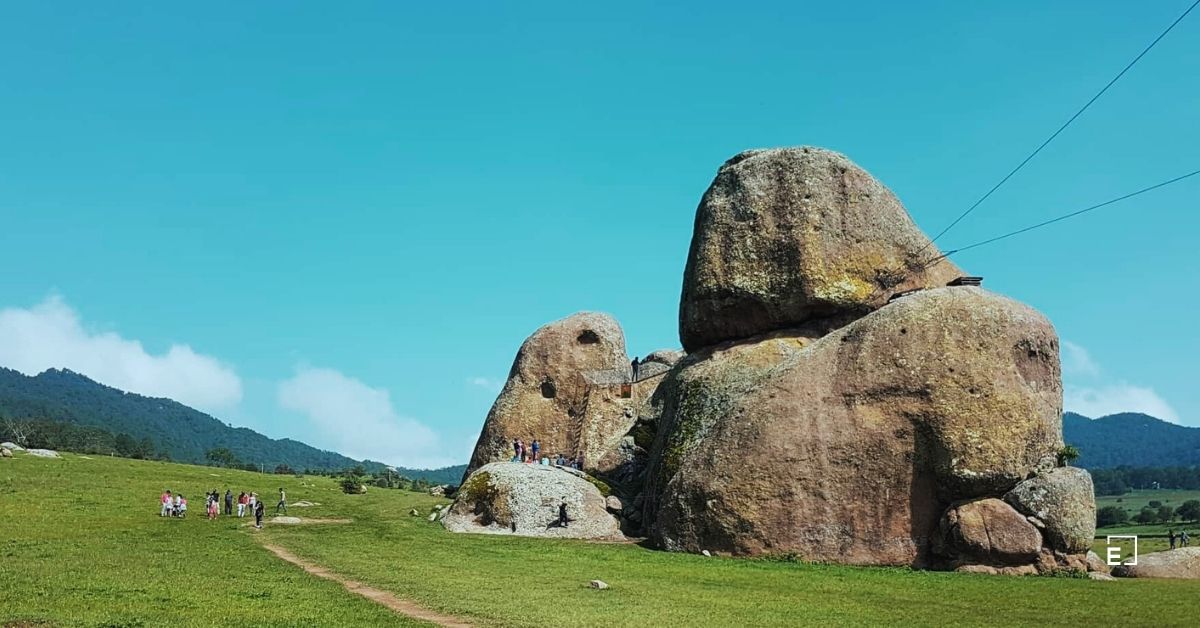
(74, 406)
(1130, 439)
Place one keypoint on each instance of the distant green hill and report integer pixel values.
(183, 433)
(1131, 439)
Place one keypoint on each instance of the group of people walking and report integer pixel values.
(175, 505)
(532, 454)
(1182, 538)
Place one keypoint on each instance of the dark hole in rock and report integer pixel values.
(903, 330)
(588, 337)
(549, 391)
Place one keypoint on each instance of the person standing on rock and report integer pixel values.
(258, 515)
(1183, 538)
(1171, 538)
(228, 502)
(563, 519)
(537, 446)
(633, 369)
(516, 449)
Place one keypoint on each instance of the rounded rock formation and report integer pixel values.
(564, 389)
(991, 532)
(788, 235)
(1064, 500)
(524, 499)
(1177, 563)
(770, 445)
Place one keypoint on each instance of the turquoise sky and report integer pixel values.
(338, 223)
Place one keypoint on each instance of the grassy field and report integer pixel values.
(1151, 537)
(81, 544)
(1136, 500)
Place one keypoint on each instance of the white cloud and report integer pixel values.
(1088, 392)
(1076, 361)
(1100, 401)
(486, 383)
(360, 421)
(51, 335)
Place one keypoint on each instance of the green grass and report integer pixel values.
(82, 544)
(1151, 537)
(1136, 500)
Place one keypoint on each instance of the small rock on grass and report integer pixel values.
(414, 512)
(599, 584)
(707, 553)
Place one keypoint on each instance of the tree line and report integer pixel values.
(1154, 512)
(83, 439)
(1121, 480)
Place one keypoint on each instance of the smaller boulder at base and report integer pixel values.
(990, 531)
(1178, 563)
(1064, 500)
(528, 500)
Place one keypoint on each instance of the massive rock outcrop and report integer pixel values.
(564, 389)
(524, 499)
(848, 446)
(838, 401)
(787, 235)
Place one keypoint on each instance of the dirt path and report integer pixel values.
(398, 605)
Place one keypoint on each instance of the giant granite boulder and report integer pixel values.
(524, 499)
(564, 389)
(848, 445)
(788, 235)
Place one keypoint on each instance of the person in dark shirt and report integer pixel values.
(228, 502)
(258, 514)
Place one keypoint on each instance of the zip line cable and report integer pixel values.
(1061, 128)
(1085, 210)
